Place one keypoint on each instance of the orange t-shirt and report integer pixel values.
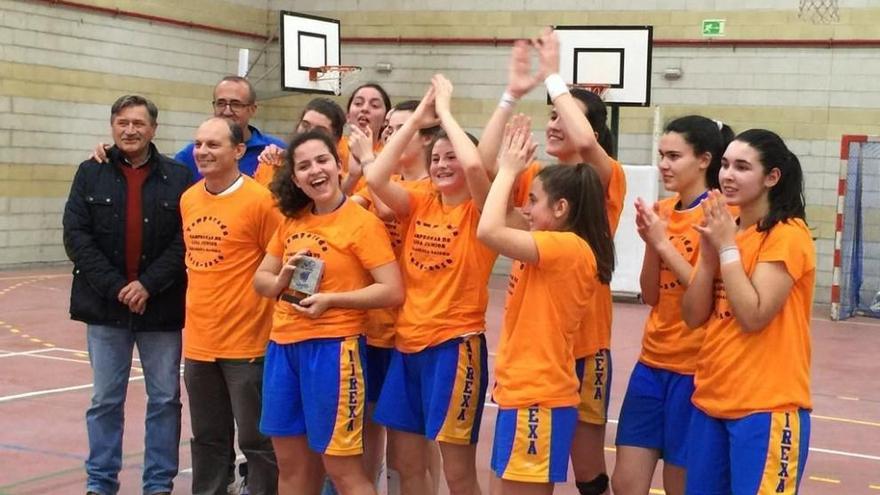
(446, 272)
(597, 325)
(351, 242)
(668, 343)
(546, 303)
(226, 237)
(393, 225)
(740, 373)
(380, 322)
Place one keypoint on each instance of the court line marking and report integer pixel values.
(84, 361)
(874, 487)
(71, 360)
(77, 351)
(239, 457)
(825, 480)
(37, 277)
(846, 420)
(38, 393)
(845, 453)
(24, 353)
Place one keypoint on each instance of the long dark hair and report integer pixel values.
(384, 94)
(786, 198)
(704, 136)
(330, 109)
(597, 115)
(291, 199)
(581, 187)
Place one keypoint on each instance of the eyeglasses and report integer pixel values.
(234, 105)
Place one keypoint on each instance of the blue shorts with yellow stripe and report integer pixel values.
(316, 388)
(437, 392)
(762, 453)
(656, 412)
(594, 373)
(533, 444)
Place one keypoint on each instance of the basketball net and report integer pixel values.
(342, 77)
(601, 90)
(819, 11)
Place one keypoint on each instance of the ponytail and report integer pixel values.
(580, 186)
(786, 198)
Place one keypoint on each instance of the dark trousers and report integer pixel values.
(222, 395)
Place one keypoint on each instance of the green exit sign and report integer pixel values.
(713, 27)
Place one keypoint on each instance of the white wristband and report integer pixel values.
(728, 254)
(555, 86)
(507, 100)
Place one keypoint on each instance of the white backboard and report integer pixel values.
(619, 56)
(308, 41)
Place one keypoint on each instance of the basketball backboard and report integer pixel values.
(308, 41)
(617, 56)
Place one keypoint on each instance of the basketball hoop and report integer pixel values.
(600, 90)
(335, 74)
(819, 11)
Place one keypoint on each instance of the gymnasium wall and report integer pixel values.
(63, 67)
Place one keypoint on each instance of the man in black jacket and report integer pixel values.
(123, 233)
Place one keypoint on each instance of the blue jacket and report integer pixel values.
(248, 163)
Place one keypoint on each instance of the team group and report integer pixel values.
(388, 359)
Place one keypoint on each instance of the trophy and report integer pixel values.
(306, 279)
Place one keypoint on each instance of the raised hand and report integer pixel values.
(425, 115)
(442, 94)
(360, 142)
(547, 45)
(520, 79)
(517, 147)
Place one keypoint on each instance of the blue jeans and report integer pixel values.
(110, 353)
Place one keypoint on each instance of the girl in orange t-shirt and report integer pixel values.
(576, 133)
(560, 261)
(413, 174)
(320, 114)
(657, 408)
(753, 291)
(437, 378)
(313, 381)
(367, 112)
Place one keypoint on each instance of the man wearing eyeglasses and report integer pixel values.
(236, 100)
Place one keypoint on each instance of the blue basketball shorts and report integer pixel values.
(316, 388)
(437, 392)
